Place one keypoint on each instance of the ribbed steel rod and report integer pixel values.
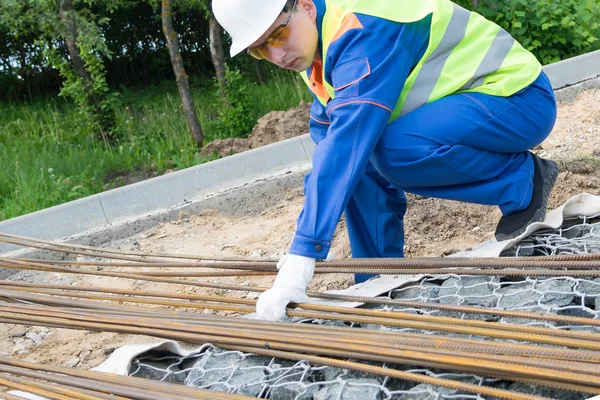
(146, 326)
(426, 363)
(20, 264)
(519, 360)
(52, 391)
(302, 345)
(391, 265)
(35, 288)
(12, 263)
(136, 388)
(87, 384)
(396, 374)
(390, 337)
(380, 264)
(97, 251)
(466, 387)
(440, 341)
(252, 266)
(444, 327)
(6, 396)
(456, 308)
(475, 272)
(532, 334)
(452, 321)
(504, 331)
(384, 317)
(399, 319)
(11, 384)
(141, 256)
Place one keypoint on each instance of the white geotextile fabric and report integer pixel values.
(584, 204)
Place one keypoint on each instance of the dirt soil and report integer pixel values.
(273, 127)
(433, 227)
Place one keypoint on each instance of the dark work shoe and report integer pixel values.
(544, 177)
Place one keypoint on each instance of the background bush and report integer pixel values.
(551, 29)
(49, 155)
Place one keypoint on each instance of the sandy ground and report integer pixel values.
(433, 227)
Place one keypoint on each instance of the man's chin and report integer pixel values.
(301, 66)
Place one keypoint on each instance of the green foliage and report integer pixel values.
(96, 103)
(47, 158)
(553, 30)
(41, 32)
(234, 111)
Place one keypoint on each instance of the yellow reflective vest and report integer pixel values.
(466, 52)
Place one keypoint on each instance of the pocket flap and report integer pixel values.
(349, 73)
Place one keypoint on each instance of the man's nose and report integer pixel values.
(276, 55)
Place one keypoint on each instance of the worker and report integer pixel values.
(422, 97)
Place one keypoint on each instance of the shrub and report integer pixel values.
(551, 29)
(235, 117)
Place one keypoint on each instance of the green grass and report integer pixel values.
(46, 158)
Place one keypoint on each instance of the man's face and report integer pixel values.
(301, 47)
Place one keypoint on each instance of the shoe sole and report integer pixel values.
(549, 181)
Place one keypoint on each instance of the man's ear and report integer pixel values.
(310, 9)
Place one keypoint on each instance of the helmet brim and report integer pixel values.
(254, 32)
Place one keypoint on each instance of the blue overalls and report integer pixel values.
(469, 147)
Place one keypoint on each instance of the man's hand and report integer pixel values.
(295, 272)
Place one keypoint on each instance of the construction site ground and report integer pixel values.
(433, 227)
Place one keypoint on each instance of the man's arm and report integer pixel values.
(367, 67)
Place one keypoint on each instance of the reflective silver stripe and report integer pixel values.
(432, 69)
(493, 59)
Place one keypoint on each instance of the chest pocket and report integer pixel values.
(347, 76)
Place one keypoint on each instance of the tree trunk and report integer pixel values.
(259, 71)
(24, 72)
(106, 119)
(70, 36)
(180, 75)
(216, 52)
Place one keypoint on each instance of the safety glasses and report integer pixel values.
(276, 39)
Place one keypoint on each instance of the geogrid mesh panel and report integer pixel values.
(270, 378)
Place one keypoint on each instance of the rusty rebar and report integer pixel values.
(62, 392)
(128, 387)
(146, 325)
(154, 276)
(235, 337)
(35, 288)
(22, 241)
(399, 338)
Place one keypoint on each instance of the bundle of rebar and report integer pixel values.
(554, 358)
(70, 384)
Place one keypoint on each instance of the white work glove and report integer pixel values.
(295, 272)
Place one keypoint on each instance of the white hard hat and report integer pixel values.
(246, 20)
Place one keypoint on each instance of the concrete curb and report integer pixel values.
(155, 196)
(574, 70)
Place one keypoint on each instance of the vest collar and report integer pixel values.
(321, 7)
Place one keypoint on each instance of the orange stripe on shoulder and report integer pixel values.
(316, 81)
(350, 22)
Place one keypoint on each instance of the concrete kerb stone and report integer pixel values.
(148, 202)
(193, 183)
(144, 204)
(574, 70)
(249, 198)
(56, 222)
